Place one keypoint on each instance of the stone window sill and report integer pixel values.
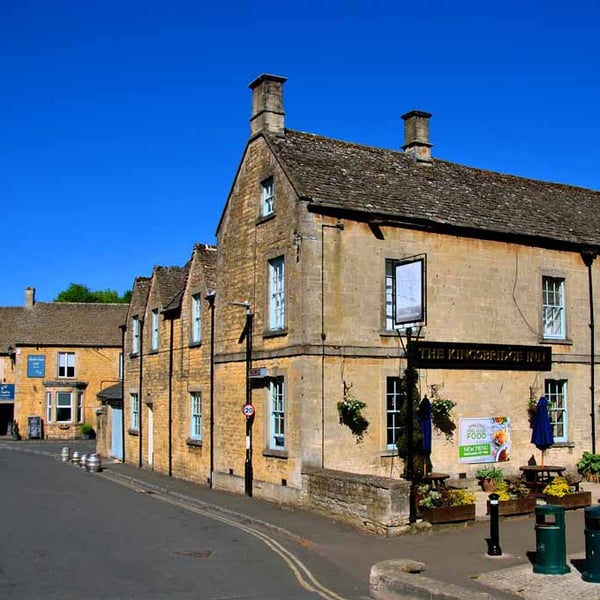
(272, 453)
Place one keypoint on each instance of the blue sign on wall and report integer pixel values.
(36, 365)
(7, 391)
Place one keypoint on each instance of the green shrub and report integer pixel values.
(493, 473)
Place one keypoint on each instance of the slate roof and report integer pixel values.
(207, 257)
(113, 392)
(62, 324)
(170, 283)
(341, 176)
(139, 296)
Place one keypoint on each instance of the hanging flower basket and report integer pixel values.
(350, 413)
(441, 412)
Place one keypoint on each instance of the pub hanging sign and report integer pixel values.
(451, 355)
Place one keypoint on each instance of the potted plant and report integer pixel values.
(489, 477)
(445, 505)
(560, 491)
(87, 431)
(514, 498)
(589, 466)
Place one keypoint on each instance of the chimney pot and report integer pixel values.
(416, 135)
(267, 105)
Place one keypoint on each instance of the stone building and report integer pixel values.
(312, 243)
(56, 357)
(310, 235)
(167, 385)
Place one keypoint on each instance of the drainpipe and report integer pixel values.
(210, 297)
(339, 225)
(588, 257)
(139, 400)
(171, 399)
(122, 376)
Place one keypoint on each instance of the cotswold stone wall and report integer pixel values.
(378, 504)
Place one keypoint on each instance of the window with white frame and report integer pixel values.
(79, 407)
(154, 329)
(268, 197)
(135, 335)
(134, 411)
(196, 318)
(394, 399)
(64, 407)
(277, 414)
(196, 416)
(276, 293)
(66, 364)
(48, 407)
(555, 391)
(553, 307)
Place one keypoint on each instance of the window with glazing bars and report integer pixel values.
(553, 307)
(394, 398)
(556, 393)
(277, 401)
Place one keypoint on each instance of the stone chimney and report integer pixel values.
(416, 135)
(29, 297)
(267, 105)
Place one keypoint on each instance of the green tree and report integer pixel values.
(419, 459)
(76, 292)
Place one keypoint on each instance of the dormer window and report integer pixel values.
(268, 197)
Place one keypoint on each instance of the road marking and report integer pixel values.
(302, 573)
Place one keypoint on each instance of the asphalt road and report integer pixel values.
(70, 534)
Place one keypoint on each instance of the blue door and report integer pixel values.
(116, 420)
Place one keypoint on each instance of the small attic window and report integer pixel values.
(268, 197)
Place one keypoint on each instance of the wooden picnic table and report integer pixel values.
(436, 479)
(537, 477)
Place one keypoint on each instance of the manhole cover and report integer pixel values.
(194, 553)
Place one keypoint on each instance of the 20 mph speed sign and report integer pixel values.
(248, 410)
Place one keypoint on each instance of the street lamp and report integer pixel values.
(247, 335)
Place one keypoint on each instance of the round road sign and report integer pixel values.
(248, 410)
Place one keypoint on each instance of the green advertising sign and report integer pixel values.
(484, 440)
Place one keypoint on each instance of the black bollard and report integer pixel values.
(494, 541)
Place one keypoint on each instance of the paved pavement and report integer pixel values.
(453, 555)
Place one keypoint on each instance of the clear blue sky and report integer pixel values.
(122, 122)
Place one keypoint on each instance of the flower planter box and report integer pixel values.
(519, 506)
(570, 501)
(449, 514)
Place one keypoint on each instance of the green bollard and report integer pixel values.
(592, 544)
(551, 540)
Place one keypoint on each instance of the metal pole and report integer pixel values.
(249, 420)
(410, 462)
(494, 540)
